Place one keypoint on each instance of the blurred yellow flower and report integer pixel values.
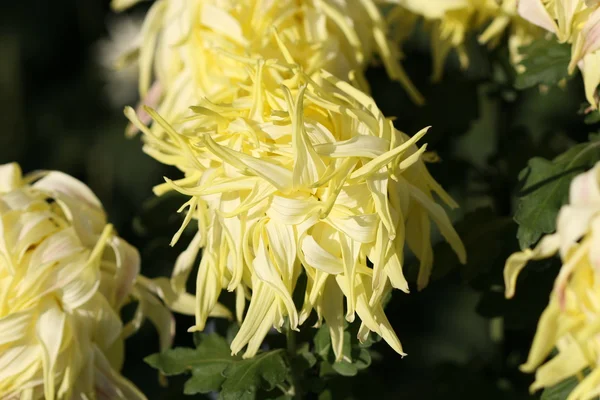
(64, 277)
(450, 21)
(301, 172)
(194, 49)
(576, 22)
(570, 322)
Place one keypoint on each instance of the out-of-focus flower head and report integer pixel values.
(301, 172)
(576, 22)
(116, 56)
(450, 21)
(64, 277)
(570, 322)
(188, 45)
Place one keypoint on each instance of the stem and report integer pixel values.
(296, 390)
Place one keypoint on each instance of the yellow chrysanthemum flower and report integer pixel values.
(576, 22)
(64, 277)
(570, 322)
(189, 44)
(300, 174)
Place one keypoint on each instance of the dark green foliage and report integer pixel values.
(546, 62)
(546, 188)
(214, 369)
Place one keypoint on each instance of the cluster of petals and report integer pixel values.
(451, 22)
(576, 22)
(64, 277)
(570, 323)
(187, 46)
(300, 173)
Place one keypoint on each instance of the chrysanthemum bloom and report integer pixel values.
(576, 22)
(570, 322)
(187, 48)
(300, 175)
(64, 277)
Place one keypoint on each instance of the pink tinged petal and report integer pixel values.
(151, 100)
(150, 31)
(591, 33)
(585, 188)
(572, 223)
(535, 12)
(573, 261)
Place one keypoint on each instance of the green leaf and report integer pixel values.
(204, 380)
(561, 390)
(244, 378)
(546, 189)
(213, 352)
(546, 62)
(592, 118)
(213, 368)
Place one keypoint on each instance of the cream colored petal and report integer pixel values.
(49, 332)
(292, 211)
(442, 221)
(547, 247)
(267, 272)
(567, 363)
(333, 311)
(591, 77)
(535, 12)
(10, 177)
(358, 146)
(377, 163)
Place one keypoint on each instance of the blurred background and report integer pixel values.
(61, 108)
